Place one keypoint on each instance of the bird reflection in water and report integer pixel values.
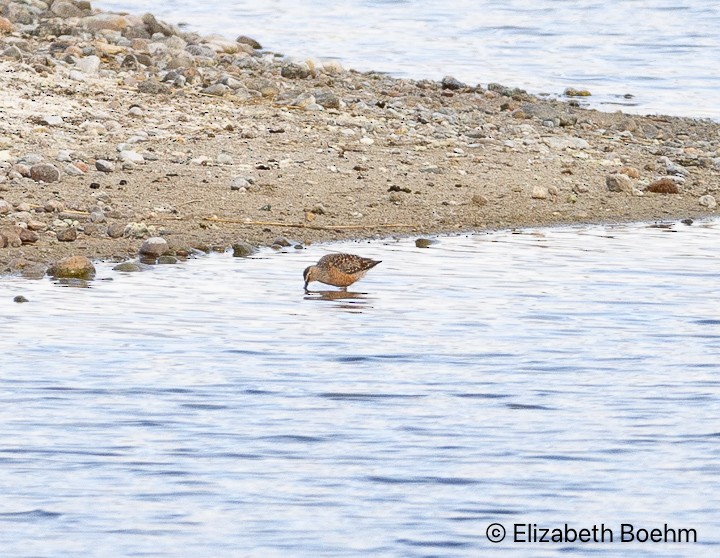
(348, 300)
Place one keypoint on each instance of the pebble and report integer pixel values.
(572, 92)
(116, 230)
(154, 247)
(217, 90)
(242, 39)
(295, 71)
(663, 186)
(224, 159)
(561, 143)
(239, 183)
(130, 156)
(423, 243)
(479, 200)
(632, 172)
(5, 207)
(539, 193)
(54, 206)
(20, 299)
(167, 260)
(44, 172)
(73, 267)
(104, 166)
(242, 249)
(88, 65)
(449, 82)
(708, 201)
(136, 230)
(128, 267)
(68, 234)
(73, 169)
(52, 120)
(619, 183)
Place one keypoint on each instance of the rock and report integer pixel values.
(88, 65)
(152, 87)
(66, 10)
(54, 206)
(130, 156)
(52, 120)
(73, 267)
(449, 82)
(216, 90)
(295, 71)
(33, 271)
(154, 26)
(708, 201)
(104, 166)
(243, 40)
(619, 183)
(44, 172)
(571, 92)
(154, 247)
(76, 169)
(6, 26)
(479, 200)
(27, 236)
(539, 193)
(10, 238)
(20, 299)
(136, 230)
(663, 186)
(423, 243)
(5, 207)
(327, 99)
(242, 249)
(116, 230)
(128, 267)
(282, 241)
(567, 142)
(224, 159)
(167, 260)
(13, 52)
(239, 183)
(632, 172)
(68, 234)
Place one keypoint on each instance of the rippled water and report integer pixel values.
(663, 53)
(213, 409)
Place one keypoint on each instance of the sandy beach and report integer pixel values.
(117, 127)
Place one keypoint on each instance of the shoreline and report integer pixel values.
(116, 128)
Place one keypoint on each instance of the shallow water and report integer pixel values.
(212, 408)
(663, 53)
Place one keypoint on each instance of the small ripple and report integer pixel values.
(31, 515)
(204, 406)
(521, 407)
(434, 544)
(368, 396)
(482, 395)
(452, 481)
(295, 438)
(707, 322)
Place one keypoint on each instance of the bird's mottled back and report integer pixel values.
(347, 263)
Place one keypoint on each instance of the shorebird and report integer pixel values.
(338, 270)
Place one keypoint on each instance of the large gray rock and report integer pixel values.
(154, 247)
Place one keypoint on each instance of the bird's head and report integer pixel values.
(309, 275)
